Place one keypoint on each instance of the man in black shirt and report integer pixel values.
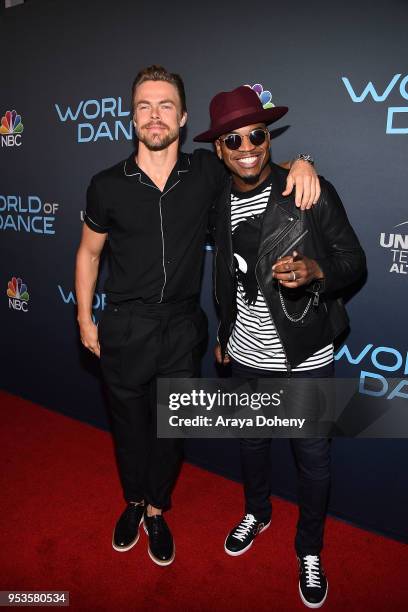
(154, 208)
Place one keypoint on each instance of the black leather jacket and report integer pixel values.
(322, 233)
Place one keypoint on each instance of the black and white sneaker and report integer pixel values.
(313, 585)
(242, 536)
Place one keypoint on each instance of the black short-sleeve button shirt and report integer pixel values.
(156, 238)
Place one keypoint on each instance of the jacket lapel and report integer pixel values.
(280, 218)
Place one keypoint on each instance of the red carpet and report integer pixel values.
(61, 497)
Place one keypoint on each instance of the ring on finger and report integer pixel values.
(293, 275)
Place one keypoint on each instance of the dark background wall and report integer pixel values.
(57, 55)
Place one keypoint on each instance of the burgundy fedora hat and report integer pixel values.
(230, 110)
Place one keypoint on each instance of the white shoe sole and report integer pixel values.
(129, 546)
(155, 559)
(311, 605)
(241, 552)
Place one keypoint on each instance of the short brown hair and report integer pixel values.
(158, 73)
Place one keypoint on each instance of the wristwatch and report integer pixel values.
(305, 157)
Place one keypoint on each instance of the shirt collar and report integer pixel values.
(130, 167)
(183, 163)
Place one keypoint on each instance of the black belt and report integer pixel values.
(156, 309)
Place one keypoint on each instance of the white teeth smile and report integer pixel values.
(247, 161)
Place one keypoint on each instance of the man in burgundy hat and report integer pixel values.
(154, 208)
(279, 273)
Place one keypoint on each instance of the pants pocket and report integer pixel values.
(112, 330)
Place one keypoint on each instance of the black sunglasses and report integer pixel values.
(234, 141)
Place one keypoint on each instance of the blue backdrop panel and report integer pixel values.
(67, 71)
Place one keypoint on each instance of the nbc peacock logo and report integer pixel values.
(11, 128)
(264, 95)
(17, 294)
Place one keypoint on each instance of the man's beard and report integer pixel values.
(157, 142)
(251, 180)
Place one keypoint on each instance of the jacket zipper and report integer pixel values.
(280, 236)
(294, 243)
(288, 366)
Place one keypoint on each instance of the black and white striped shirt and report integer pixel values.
(254, 340)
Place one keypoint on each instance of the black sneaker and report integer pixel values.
(126, 532)
(313, 585)
(161, 547)
(242, 536)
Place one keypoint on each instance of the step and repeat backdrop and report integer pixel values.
(67, 69)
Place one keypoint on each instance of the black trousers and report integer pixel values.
(312, 457)
(139, 343)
